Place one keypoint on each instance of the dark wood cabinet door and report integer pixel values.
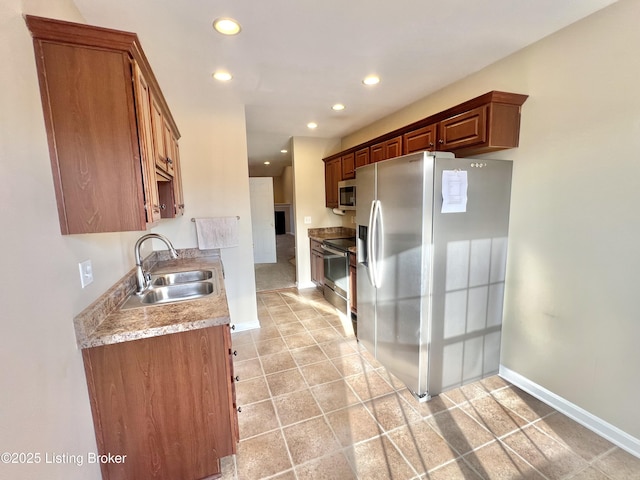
(464, 130)
(362, 157)
(420, 140)
(164, 403)
(348, 166)
(394, 147)
(332, 175)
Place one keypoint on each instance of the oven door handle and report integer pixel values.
(334, 251)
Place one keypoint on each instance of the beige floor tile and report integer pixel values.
(277, 362)
(522, 403)
(422, 446)
(279, 309)
(245, 352)
(459, 430)
(322, 372)
(248, 369)
(252, 390)
(296, 407)
(428, 408)
(242, 338)
(497, 462)
(349, 365)
(306, 313)
(574, 436)
(548, 456)
(620, 465)
(315, 322)
(334, 395)
(265, 333)
(331, 467)
(457, 470)
(494, 416)
(262, 456)
(272, 300)
(493, 383)
(324, 335)
(299, 340)
(309, 440)
(392, 411)
(378, 459)
(353, 424)
(289, 475)
(257, 418)
(339, 348)
(589, 474)
(271, 346)
(285, 317)
(465, 394)
(369, 385)
(286, 381)
(292, 328)
(307, 355)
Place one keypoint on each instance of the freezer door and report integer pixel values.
(470, 250)
(404, 224)
(365, 196)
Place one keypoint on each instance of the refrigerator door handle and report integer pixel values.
(370, 259)
(377, 244)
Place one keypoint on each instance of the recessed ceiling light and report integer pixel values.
(267, 163)
(371, 80)
(226, 26)
(312, 125)
(338, 106)
(222, 76)
(283, 151)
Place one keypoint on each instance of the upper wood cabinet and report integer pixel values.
(362, 157)
(420, 140)
(388, 149)
(348, 166)
(100, 101)
(332, 175)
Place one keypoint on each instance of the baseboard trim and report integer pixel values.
(304, 285)
(241, 327)
(580, 415)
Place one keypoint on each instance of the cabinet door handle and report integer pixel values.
(233, 327)
(169, 161)
(239, 409)
(236, 378)
(163, 206)
(235, 353)
(441, 141)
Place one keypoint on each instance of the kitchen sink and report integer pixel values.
(180, 277)
(161, 294)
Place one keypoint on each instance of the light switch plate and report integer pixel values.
(307, 220)
(86, 273)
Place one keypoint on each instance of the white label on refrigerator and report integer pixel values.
(454, 191)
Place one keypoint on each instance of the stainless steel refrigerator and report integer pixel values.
(431, 257)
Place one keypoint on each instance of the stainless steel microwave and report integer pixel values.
(347, 195)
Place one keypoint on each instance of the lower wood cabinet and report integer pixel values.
(317, 263)
(166, 402)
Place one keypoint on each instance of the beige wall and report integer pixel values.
(309, 196)
(571, 322)
(44, 406)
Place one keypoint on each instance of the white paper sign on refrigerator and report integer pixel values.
(454, 191)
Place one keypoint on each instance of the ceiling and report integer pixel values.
(294, 59)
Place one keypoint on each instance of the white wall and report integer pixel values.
(571, 322)
(308, 188)
(44, 406)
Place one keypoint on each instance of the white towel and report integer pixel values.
(217, 232)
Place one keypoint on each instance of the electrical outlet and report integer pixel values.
(86, 273)
(307, 220)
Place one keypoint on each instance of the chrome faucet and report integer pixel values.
(143, 278)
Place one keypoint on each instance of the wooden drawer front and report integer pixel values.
(464, 130)
(420, 140)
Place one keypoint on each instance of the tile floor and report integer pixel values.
(317, 406)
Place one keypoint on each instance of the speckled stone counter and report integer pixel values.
(326, 233)
(103, 323)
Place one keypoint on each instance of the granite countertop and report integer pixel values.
(326, 233)
(104, 323)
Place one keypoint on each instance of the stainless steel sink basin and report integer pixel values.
(160, 294)
(180, 277)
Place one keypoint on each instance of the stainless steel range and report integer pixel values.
(336, 272)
